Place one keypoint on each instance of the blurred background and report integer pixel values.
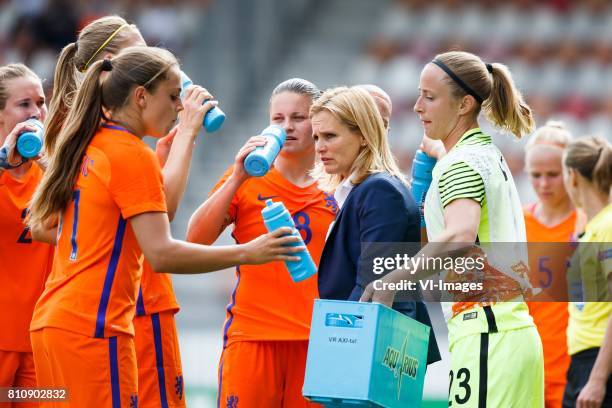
(560, 52)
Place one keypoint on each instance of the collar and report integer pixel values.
(110, 124)
(468, 135)
(343, 190)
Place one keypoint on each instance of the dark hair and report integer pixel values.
(299, 86)
(133, 67)
(591, 156)
(492, 83)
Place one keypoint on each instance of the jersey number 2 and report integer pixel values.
(24, 238)
(463, 376)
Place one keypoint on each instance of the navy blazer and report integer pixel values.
(380, 209)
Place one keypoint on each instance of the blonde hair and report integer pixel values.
(108, 34)
(9, 72)
(382, 99)
(591, 156)
(357, 110)
(133, 67)
(553, 133)
(503, 104)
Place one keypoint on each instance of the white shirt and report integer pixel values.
(340, 195)
(343, 190)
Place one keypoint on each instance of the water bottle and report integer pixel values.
(421, 179)
(259, 161)
(214, 118)
(275, 216)
(29, 143)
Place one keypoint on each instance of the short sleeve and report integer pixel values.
(604, 254)
(605, 257)
(461, 181)
(233, 208)
(136, 182)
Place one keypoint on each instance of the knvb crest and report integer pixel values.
(232, 401)
(330, 201)
(87, 162)
(178, 386)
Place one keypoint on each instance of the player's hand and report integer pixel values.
(13, 158)
(370, 294)
(433, 148)
(592, 395)
(272, 247)
(163, 145)
(196, 102)
(251, 144)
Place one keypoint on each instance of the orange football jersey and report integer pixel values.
(96, 271)
(548, 272)
(266, 303)
(24, 264)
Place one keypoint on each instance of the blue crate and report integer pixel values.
(365, 355)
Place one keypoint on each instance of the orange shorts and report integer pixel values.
(263, 374)
(17, 370)
(160, 375)
(96, 372)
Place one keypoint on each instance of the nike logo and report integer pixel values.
(262, 198)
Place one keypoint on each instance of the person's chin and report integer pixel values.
(430, 134)
(296, 149)
(288, 148)
(546, 197)
(330, 169)
(157, 134)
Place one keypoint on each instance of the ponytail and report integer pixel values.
(591, 156)
(106, 35)
(55, 189)
(135, 66)
(505, 106)
(492, 87)
(602, 172)
(64, 87)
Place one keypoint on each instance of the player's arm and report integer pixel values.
(462, 218)
(461, 193)
(45, 232)
(594, 391)
(166, 254)
(211, 218)
(175, 150)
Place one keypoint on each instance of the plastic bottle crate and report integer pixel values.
(365, 355)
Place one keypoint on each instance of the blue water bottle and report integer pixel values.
(421, 179)
(214, 118)
(259, 161)
(29, 143)
(275, 216)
